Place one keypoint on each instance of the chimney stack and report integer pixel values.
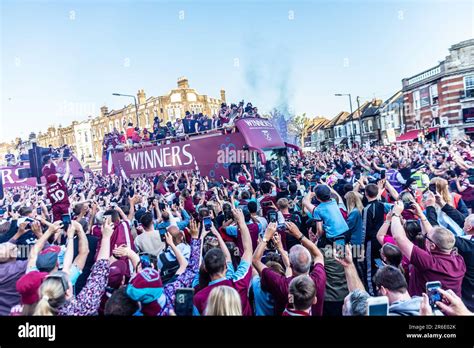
(141, 97)
(104, 110)
(183, 82)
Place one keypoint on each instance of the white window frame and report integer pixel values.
(416, 100)
(434, 94)
(469, 86)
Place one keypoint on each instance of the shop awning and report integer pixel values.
(412, 135)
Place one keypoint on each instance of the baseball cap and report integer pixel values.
(146, 286)
(48, 258)
(242, 180)
(323, 193)
(28, 286)
(118, 270)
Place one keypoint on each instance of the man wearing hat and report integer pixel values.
(47, 260)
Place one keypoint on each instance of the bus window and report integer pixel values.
(276, 162)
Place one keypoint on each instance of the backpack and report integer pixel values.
(169, 269)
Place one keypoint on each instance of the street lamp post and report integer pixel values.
(352, 115)
(135, 99)
(360, 119)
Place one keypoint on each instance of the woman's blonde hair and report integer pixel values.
(52, 295)
(223, 300)
(443, 189)
(353, 201)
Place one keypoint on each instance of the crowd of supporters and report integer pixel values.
(341, 228)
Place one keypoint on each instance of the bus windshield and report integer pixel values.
(276, 162)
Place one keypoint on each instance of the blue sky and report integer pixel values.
(62, 60)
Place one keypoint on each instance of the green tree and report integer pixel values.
(296, 125)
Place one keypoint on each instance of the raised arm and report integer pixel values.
(92, 216)
(133, 200)
(69, 254)
(83, 247)
(398, 232)
(222, 245)
(376, 167)
(284, 255)
(260, 249)
(125, 250)
(391, 190)
(179, 257)
(425, 224)
(87, 302)
(247, 173)
(185, 279)
(352, 277)
(384, 228)
(307, 202)
(317, 255)
(67, 172)
(245, 234)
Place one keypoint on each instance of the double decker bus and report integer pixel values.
(254, 142)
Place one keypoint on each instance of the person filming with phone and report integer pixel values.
(438, 261)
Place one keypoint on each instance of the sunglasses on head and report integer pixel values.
(63, 281)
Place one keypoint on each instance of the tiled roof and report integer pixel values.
(334, 121)
(356, 114)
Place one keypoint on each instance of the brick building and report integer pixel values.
(441, 99)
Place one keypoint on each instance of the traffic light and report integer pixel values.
(35, 155)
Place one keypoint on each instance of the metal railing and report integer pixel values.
(171, 139)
